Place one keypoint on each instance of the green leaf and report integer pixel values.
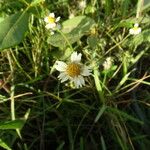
(15, 124)
(4, 145)
(36, 2)
(146, 4)
(123, 80)
(78, 24)
(92, 41)
(72, 30)
(123, 114)
(13, 29)
(125, 7)
(101, 111)
(128, 23)
(108, 7)
(61, 145)
(140, 38)
(103, 143)
(3, 98)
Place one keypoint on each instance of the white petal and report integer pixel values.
(86, 71)
(76, 57)
(46, 19)
(58, 26)
(60, 66)
(139, 30)
(47, 26)
(52, 15)
(131, 31)
(52, 32)
(79, 81)
(76, 83)
(50, 25)
(136, 25)
(57, 19)
(135, 30)
(63, 77)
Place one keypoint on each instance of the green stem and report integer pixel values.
(98, 85)
(65, 39)
(12, 103)
(12, 93)
(139, 8)
(125, 65)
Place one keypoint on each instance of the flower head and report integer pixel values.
(51, 21)
(73, 71)
(135, 30)
(107, 63)
(82, 4)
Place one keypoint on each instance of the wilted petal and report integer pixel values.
(85, 71)
(82, 82)
(79, 81)
(63, 77)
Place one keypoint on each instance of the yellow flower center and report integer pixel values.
(73, 69)
(135, 28)
(51, 19)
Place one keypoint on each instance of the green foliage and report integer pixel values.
(108, 7)
(124, 115)
(13, 29)
(36, 2)
(101, 111)
(4, 145)
(15, 124)
(143, 37)
(110, 112)
(125, 7)
(72, 30)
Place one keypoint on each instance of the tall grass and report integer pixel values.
(110, 112)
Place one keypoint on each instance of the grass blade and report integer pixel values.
(101, 111)
(124, 115)
(4, 145)
(14, 124)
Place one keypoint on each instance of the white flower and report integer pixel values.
(107, 63)
(82, 4)
(51, 21)
(135, 30)
(73, 71)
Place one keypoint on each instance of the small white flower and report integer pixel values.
(73, 71)
(51, 21)
(82, 4)
(135, 30)
(107, 63)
